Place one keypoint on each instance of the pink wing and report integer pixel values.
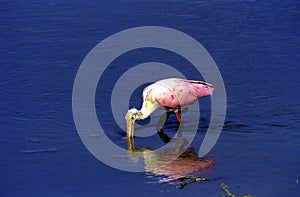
(175, 93)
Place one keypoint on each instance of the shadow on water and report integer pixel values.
(178, 164)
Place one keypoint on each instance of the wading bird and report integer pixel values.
(170, 94)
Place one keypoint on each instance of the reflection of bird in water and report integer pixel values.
(172, 164)
(170, 94)
(188, 164)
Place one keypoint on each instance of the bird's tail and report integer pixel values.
(204, 88)
(203, 83)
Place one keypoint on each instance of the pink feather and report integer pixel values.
(176, 93)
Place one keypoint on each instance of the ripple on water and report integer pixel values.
(34, 140)
(231, 124)
(274, 124)
(43, 150)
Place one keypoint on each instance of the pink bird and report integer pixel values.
(170, 94)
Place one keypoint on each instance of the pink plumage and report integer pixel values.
(174, 93)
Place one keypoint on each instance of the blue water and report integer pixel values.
(256, 46)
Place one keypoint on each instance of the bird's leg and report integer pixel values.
(178, 116)
(162, 120)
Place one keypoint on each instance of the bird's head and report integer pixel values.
(130, 118)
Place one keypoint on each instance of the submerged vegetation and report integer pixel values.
(189, 179)
(228, 193)
(186, 180)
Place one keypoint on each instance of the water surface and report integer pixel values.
(255, 45)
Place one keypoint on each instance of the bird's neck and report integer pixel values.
(147, 109)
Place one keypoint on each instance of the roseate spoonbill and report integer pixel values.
(170, 94)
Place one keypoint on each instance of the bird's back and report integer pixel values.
(174, 93)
